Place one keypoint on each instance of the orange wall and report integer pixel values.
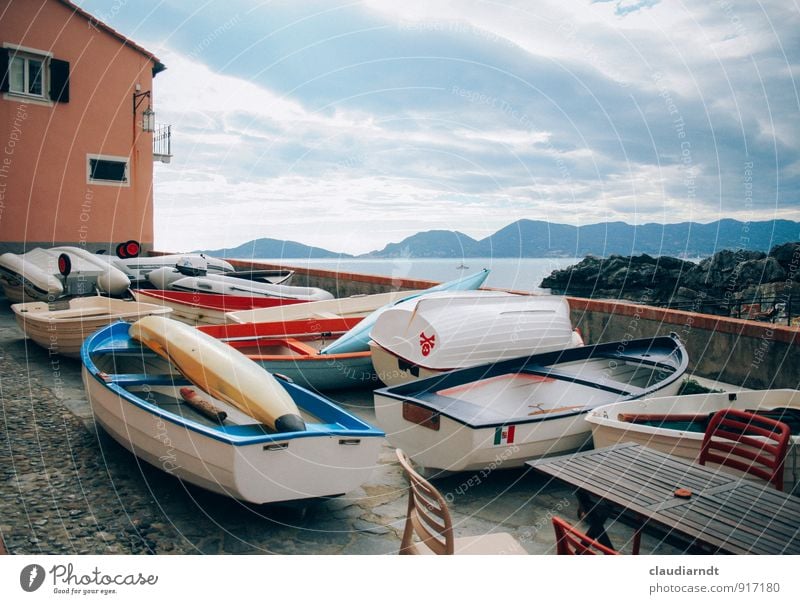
(43, 186)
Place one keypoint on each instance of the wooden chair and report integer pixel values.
(571, 542)
(429, 519)
(748, 442)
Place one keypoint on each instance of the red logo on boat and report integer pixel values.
(426, 343)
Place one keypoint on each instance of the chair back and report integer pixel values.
(748, 442)
(428, 517)
(572, 542)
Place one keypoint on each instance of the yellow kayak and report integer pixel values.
(221, 371)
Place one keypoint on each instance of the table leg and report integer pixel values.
(595, 515)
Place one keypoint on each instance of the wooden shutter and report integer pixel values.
(59, 81)
(4, 69)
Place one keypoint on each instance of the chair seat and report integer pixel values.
(491, 544)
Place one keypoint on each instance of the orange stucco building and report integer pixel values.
(76, 161)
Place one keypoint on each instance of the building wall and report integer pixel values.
(46, 198)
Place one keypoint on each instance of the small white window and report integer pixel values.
(108, 170)
(26, 74)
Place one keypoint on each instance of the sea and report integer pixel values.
(523, 274)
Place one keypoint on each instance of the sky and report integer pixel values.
(350, 125)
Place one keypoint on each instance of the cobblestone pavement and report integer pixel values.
(68, 488)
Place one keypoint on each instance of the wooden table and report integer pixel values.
(725, 513)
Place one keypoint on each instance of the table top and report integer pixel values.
(727, 512)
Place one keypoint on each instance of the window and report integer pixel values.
(108, 170)
(33, 74)
(25, 75)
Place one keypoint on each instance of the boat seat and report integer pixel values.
(428, 518)
(139, 379)
(602, 383)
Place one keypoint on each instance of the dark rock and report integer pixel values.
(648, 280)
(756, 272)
(788, 256)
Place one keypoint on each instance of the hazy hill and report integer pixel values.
(538, 239)
(274, 248)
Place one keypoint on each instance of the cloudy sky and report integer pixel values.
(349, 125)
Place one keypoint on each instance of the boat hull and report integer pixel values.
(608, 430)
(502, 414)
(291, 348)
(205, 309)
(62, 331)
(142, 401)
(353, 307)
(284, 470)
(455, 447)
(326, 372)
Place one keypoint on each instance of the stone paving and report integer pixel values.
(68, 488)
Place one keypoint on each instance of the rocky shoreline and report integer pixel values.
(727, 277)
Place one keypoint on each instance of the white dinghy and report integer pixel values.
(444, 331)
(205, 413)
(502, 414)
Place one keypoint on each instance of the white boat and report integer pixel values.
(444, 331)
(197, 308)
(138, 269)
(51, 273)
(229, 285)
(505, 413)
(62, 327)
(147, 406)
(164, 276)
(676, 424)
(358, 306)
(357, 339)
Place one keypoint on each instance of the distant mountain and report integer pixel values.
(431, 244)
(537, 239)
(274, 248)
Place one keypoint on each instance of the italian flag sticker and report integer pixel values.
(504, 435)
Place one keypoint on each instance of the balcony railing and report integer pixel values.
(162, 144)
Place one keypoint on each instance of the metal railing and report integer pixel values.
(162, 143)
(776, 309)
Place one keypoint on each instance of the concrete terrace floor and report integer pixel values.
(68, 488)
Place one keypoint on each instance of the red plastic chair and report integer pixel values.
(748, 442)
(571, 542)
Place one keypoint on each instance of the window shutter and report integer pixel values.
(59, 81)
(4, 69)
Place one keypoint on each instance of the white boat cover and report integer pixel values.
(456, 330)
(37, 272)
(233, 286)
(139, 269)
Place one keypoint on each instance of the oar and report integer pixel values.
(202, 406)
(282, 336)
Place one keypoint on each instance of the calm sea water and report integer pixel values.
(510, 273)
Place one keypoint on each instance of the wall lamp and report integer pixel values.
(148, 115)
